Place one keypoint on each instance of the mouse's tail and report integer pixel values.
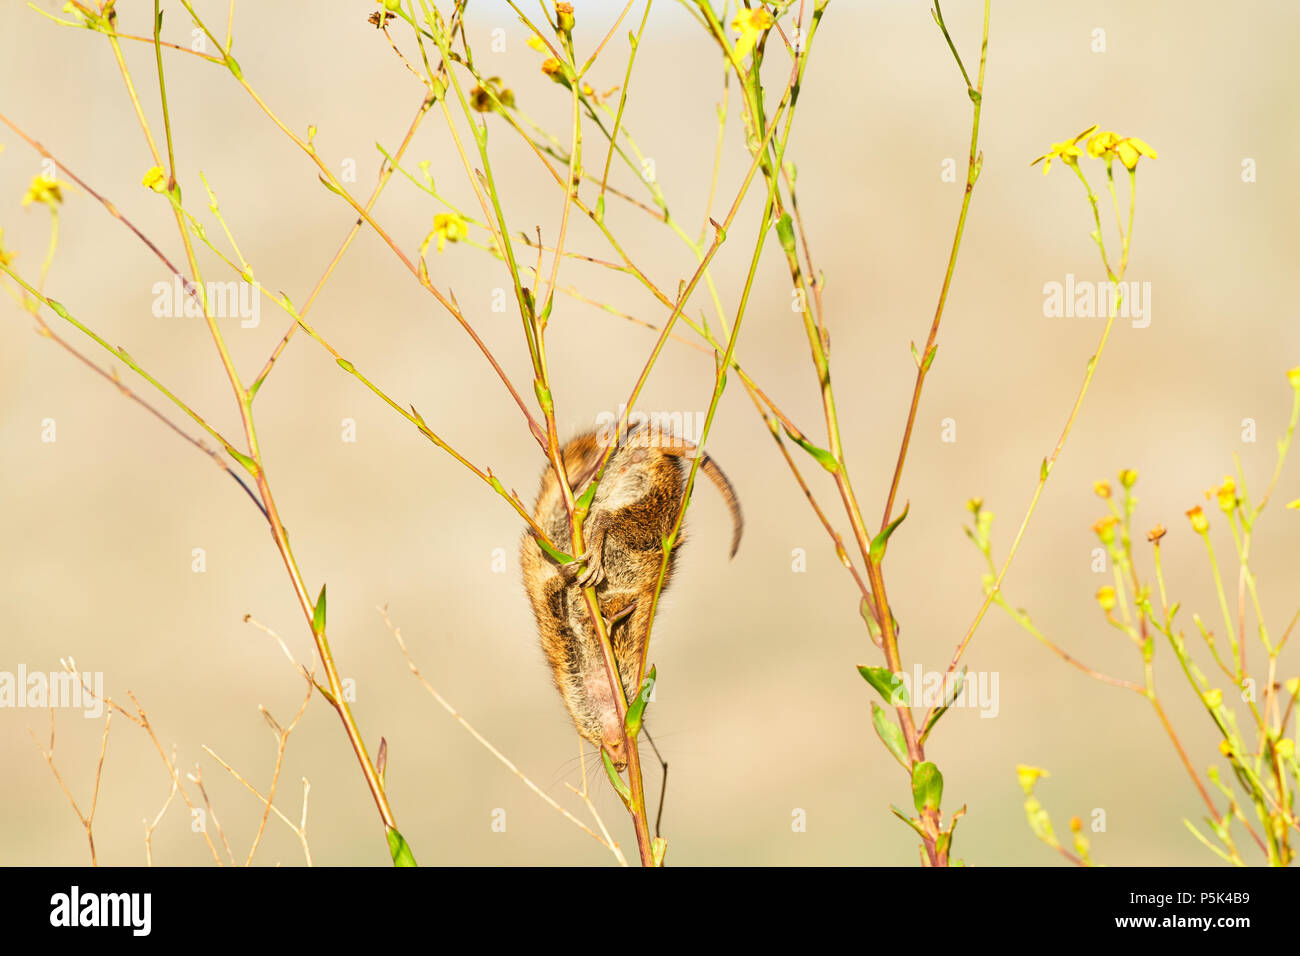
(729, 496)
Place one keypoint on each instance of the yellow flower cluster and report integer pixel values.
(1105, 145)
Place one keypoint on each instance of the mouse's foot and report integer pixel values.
(591, 575)
(595, 572)
(621, 614)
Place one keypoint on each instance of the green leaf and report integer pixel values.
(889, 734)
(889, 685)
(619, 786)
(785, 232)
(658, 847)
(59, 310)
(910, 821)
(929, 357)
(600, 208)
(927, 787)
(1044, 470)
(400, 849)
(825, 458)
(584, 500)
(555, 553)
(948, 700)
(318, 615)
(636, 710)
(347, 366)
(233, 64)
(244, 460)
(543, 395)
(873, 626)
(879, 541)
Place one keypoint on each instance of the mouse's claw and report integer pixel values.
(594, 574)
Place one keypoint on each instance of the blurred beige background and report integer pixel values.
(759, 709)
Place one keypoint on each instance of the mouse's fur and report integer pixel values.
(633, 509)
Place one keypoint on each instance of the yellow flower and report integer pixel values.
(536, 43)
(43, 190)
(1285, 748)
(6, 256)
(1106, 598)
(1107, 145)
(1105, 528)
(1156, 533)
(1200, 523)
(1213, 698)
(1227, 494)
(485, 98)
(1102, 144)
(1067, 152)
(155, 179)
(751, 24)
(1028, 776)
(1293, 376)
(564, 17)
(449, 227)
(1128, 477)
(1130, 148)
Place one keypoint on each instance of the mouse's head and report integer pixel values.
(600, 724)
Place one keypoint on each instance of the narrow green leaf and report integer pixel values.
(59, 310)
(910, 821)
(400, 849)
(873, 626)
(658, 847)
(543, 395)
(636, 709)
(879, 541)
(825, 458)
(889, 733)
(244, 460)
(584, 500)
(555, 553)
(930, 353)
(889, 685)
(785, 232)
(948, 700)
(927, 786)
(347, 366)
(318, 614)
(620, 787)
(600, 208)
